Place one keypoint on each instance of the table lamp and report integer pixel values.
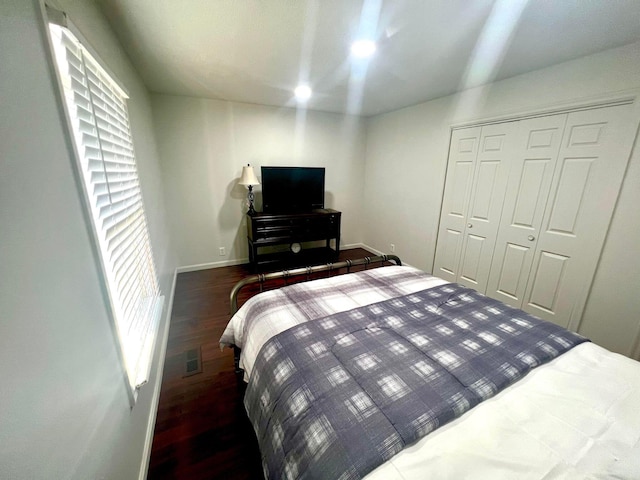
(249, 179)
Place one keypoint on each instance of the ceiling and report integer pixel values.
(257, 51)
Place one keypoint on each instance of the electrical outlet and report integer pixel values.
(222, 252)
(392, 247)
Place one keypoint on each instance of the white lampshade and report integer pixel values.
(248, 176)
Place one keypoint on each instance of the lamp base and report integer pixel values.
(251, 210)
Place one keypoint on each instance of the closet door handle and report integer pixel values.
(469, 225)
(531, 238)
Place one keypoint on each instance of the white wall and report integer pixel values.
(406, 162)
(203, 145)
(64, 407)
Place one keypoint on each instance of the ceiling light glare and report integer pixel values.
(363, 48)
(302, 93)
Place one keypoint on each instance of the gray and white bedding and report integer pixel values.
(554, 423)
(272, 312)
(337, 397)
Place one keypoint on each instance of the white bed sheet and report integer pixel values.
(575, 417)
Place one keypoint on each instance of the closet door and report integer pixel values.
(591, 164)
(462, 157)
(537, 143)
(485, 205)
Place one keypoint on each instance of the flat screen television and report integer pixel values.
(292, 189)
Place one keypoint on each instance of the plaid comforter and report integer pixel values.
(336, 397)
(275, 311)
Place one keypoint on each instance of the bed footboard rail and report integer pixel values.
(308, 271)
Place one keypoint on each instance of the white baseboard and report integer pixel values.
(207, 266)
(155, 400)
(371, 249)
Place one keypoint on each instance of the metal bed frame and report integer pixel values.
(298, 272)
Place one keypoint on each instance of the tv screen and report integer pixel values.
(292, 189)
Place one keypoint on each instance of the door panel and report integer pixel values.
(535, 153)
(569, 195)
(591, 163)
(470, 267)
(542, 137)
(547, 280)
(512, 270)
(486, 179)
(586, 135)
(462, 157)
(485, 207)
(462, 174)
(451, 247)
(534, 173)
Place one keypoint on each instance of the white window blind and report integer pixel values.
(97, 110)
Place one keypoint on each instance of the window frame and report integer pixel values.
(148, 348)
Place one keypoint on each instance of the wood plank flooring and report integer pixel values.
(201, 430)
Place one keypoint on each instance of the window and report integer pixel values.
(99, 120)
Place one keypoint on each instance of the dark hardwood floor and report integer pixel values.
(202, 431)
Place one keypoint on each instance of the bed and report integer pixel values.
(391, 373)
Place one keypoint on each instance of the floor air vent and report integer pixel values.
(192, 362)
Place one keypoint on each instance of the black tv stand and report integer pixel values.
(278, 229)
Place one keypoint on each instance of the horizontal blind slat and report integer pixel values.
(107, 101)
(131, 285)
(112, 164)
(129, 282)
(111, 218)
(115, 129)
(125, 240)
(119, 223)
(108, 117)
(110, 144)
